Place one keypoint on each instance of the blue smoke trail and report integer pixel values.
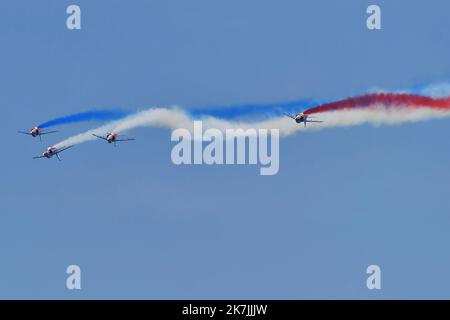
(252, 111)
(102, 115)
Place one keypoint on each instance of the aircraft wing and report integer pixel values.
(38, 157)
(131, 139)
(290, 116)
(100, 137)
(47, 132)
(23, 132)
(314, 121)
(63, 149)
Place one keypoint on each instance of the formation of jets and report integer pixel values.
(113, 137)
(110, 137)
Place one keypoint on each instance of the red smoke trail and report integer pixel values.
(387, 100)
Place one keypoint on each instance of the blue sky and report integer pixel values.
(141, 227)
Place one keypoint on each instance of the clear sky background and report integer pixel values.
(141, 227)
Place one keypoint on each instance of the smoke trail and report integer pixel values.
(155, 116)
(375, 108)
(252, 111)
(103, 115)
(86, 136)
(176, 118)
(386, 100)
(266, 111)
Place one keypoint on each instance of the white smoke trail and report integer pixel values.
(379, 116)
(155, 116)
(86, 136)
(437, 90)
(176, 118)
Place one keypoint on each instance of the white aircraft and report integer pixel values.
(52, 151)
(301, 117)
(36, 131)
(112, 137)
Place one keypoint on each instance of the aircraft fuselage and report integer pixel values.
(35, 132)
(111, 137)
